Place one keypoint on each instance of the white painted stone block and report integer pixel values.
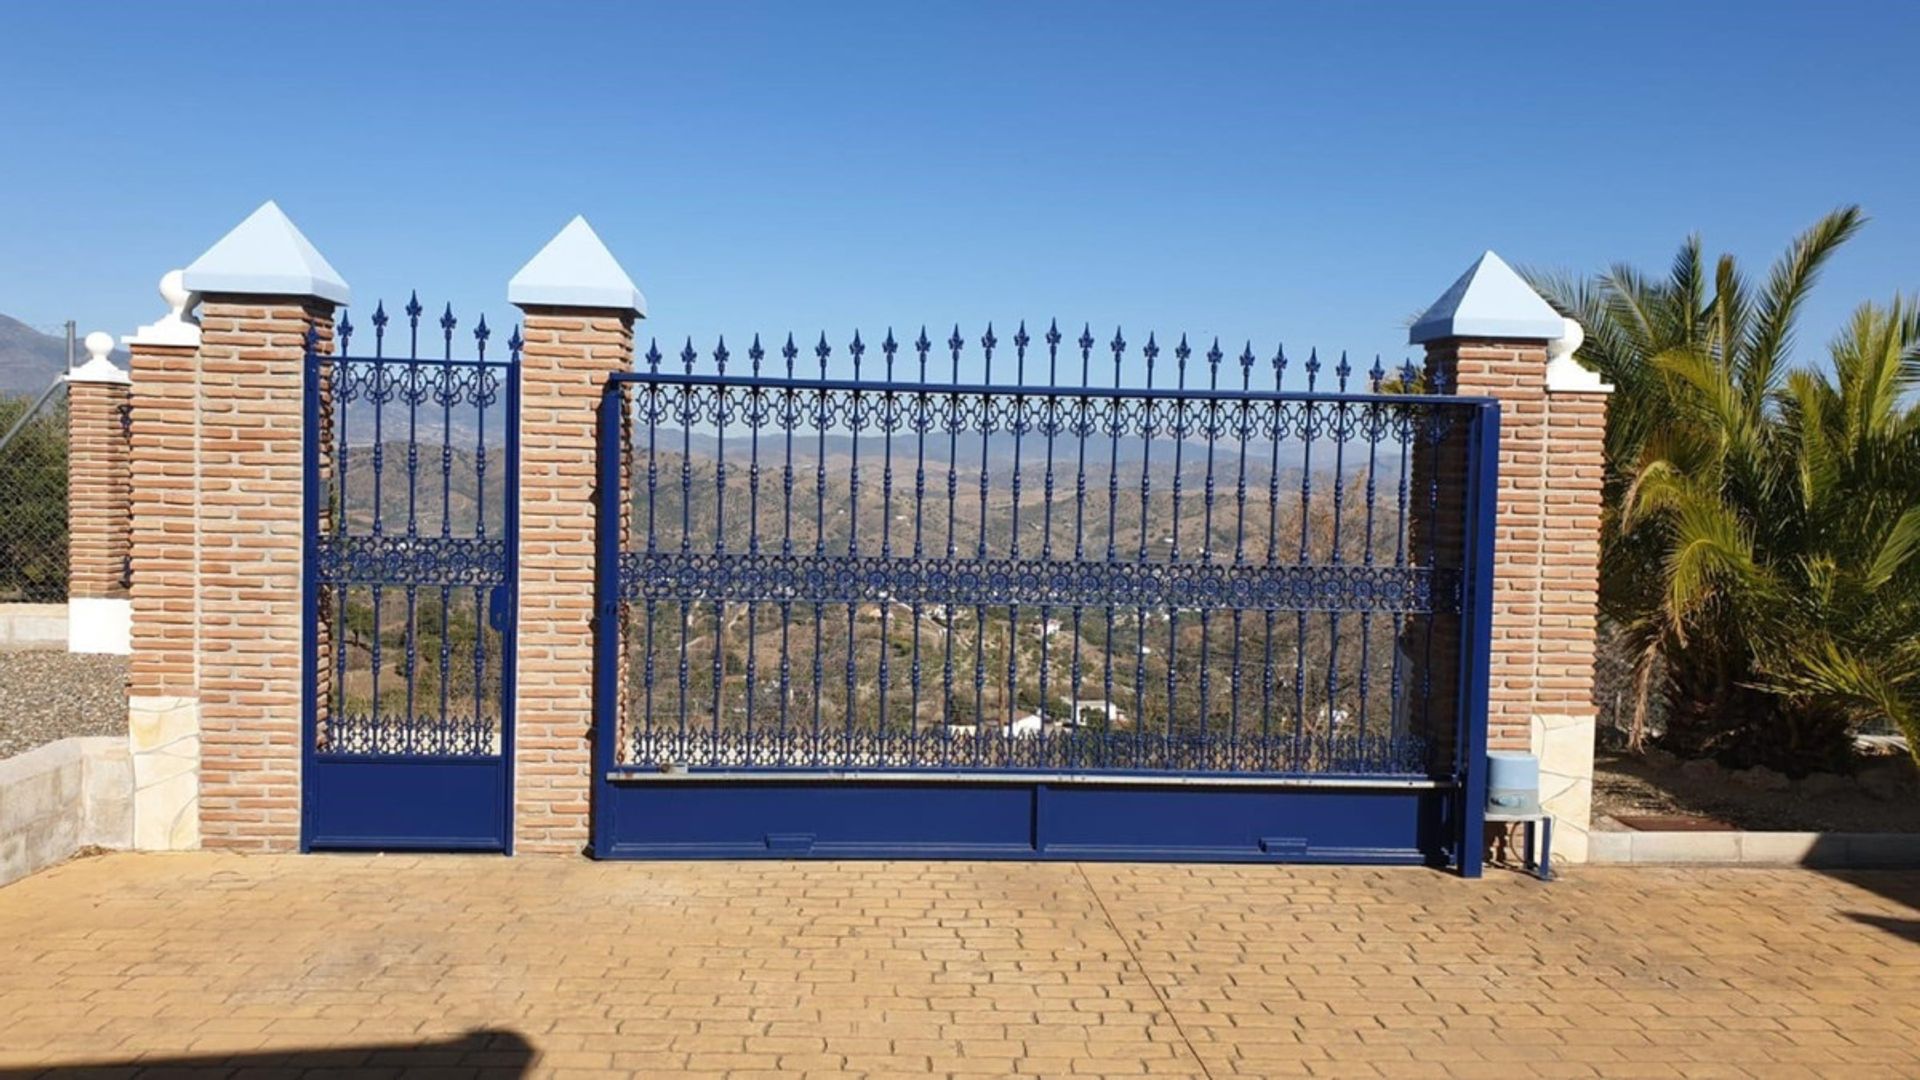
(100, 626)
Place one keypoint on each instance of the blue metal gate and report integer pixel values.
(842, 615)
(411, 504)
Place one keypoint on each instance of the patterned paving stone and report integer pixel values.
(186, 964)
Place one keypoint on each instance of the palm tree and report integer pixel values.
(1756, 519)
(1841, 638)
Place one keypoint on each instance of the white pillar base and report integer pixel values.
(1564, 745)
(100, 626)
(164, 736)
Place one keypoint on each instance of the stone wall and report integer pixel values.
(33, 626)
(61, 797)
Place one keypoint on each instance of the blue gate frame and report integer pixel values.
(409, 583)
(748, 702)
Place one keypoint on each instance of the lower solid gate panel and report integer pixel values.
(423, 804)
(693, 819)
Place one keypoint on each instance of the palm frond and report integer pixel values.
(1779, 304)
(1711, 559)
(1901, 542)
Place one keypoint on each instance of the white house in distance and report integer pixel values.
(1098, 707)
(1028, 724)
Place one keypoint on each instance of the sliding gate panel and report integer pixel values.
(1186, 613)
(410, 583)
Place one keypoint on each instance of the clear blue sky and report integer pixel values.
(1313, 174)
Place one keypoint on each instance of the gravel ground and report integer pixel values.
(46, 696)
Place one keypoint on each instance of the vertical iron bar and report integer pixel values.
(980, 557)
(380, 389)
(1403, 431)
(756, 415)
(686, 531)
(1206, 542)
(1470, 732)
(1179, 432)
(1051, 430)
(411, 393)
(889, 419)
(1278, 429)
(625, 724)
(1115, 424)
(821, 417)
(1017, 419)
(655, 399)
(789, 419)
(1240, 547)
(1083, 426)
(720, 392)
(1341, 423)
(1373, 423)
(857, 348)
(606, 608)
(339, 389)
(1151, 351)
(954, 417)
(510, 524)
(1310, 422)
(445, 393)
(480, 397)
(923, 418)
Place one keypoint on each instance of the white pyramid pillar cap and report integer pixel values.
(576, 270)
(265, 255)
(1489, 301)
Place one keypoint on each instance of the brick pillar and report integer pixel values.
(563, 367)
(163, 689)
(215, 703)
(580, 310)
(98, 487)
(1563, 712)
(251, 494)
(1514, 372)
(1492, 336)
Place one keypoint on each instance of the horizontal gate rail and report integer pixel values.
(873, 578)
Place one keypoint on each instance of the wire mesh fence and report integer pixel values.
(33, 498)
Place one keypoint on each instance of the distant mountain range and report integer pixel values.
(30, 360)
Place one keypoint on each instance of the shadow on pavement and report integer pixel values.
(1900, 886)
(484, 1052)
(1908, 929)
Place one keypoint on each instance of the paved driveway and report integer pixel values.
(958, 969)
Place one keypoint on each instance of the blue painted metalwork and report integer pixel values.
(1362, 602)
(413, 752)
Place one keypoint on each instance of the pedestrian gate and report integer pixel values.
(1186, 614)
(411, 510)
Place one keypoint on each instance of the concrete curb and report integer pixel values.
(1828, 849)
(33, 626)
